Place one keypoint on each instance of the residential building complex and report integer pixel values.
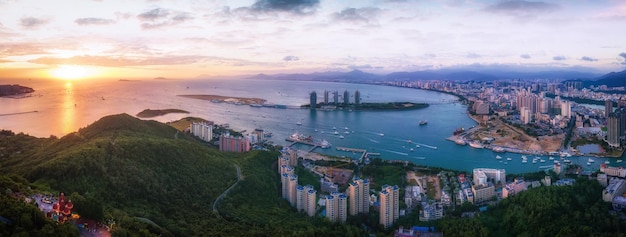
(306, 198)
(615, 188)
(358, 191)
(202, 130)
(389, 205)
(516, 187)
(482, 175)
(613, 171)
(234, 144)
(337, 207)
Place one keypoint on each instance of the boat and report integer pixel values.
(418, 146)
(542, 161)
(299, 123)
(551, 158)
(409, 141)
(509, 158)
(341, 136)
(411, 149)
(334, 128)
(567, 161)
(524, 161)
(423, 122)
(607, 162)
(588, 163)
(382, 134)
(524, 157)
(590, 160)
(476, 145)
(346, 132)
(460, 142)
(534, 161)
(346, 128)
(267, 134)
(498, 149)
(336, 133)
(498, 157)
(619, 161)
(324, 144)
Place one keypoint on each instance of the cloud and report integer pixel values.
(525, 56)
(559, 58)
(293, 6)
(355, 15)
(160, 17)
(291, 58)
(521, 9)
(32, 22)
(20, 49)
(93, 21)
(119, 61)
(360, 67)
(473, 55)
(589, 59)
(623, 55)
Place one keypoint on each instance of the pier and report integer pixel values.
(348, 149)
(296, 141)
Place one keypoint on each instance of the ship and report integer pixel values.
(475, 144)
(423, 122)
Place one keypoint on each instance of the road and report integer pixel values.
(239, 178)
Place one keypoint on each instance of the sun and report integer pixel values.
(70, 72)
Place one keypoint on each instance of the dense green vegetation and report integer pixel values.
(577, 100)
(149, 113)
(151, 183)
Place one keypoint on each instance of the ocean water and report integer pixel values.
(64, 107)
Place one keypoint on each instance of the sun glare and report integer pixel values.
(70, 72)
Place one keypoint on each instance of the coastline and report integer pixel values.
(227, 99)
(149, 113)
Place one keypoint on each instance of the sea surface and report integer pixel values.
(64, 107)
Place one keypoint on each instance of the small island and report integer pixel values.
(372, 106)
(149, 113)
(227, 99)
(15, 91)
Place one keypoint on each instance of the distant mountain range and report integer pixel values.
(357, 76)
(613, 79)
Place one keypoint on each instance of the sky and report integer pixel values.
(200, 39)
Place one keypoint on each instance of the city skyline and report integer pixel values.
(187, 39)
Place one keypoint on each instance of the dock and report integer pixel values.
(296, 141)
(362, 151)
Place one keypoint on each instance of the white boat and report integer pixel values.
(509, 158)
(409, 141)
(346, 132)
(590, 160)
(336, 133)
(607, 162)
(324, 144)
(334, 128)
(316, 130)
(524, 157)
(542, 161)
(418, 146)
(477, 145)
(346, 128)
(524, 161)
(340, 136)
(411, 149)
(299, 123)
(382, 134)
(567, 161)
(588, 163)
(551, 158)
(534, 161)
(619, 161)
(498, 157)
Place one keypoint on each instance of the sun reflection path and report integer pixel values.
(69, 107)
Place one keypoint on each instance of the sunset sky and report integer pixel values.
(196, 39)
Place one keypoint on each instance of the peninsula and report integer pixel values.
(227, 99)
(149, 113)
(373, 106)
(14, 91)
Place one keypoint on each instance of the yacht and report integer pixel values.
(346, 132)
(619, 161)
(341, 136)
(590, 160)
(411, 149)
(524, 157)
(607, 162)
(299, 123)
(509, 158)
(382, 134)
(567, 161)
(324, 144)
(498, 157)
(542, 161)
(336, 133)
(588, 163)
(524, 161)
(534, 161)
(423, 122)
(551, 158)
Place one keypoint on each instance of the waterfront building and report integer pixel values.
(305, 199)
(514, 188)
(336, 97)
(483, 192)
(234, 144)
(358, 191)
(313, 100)
(357, 97)
(389, 205)
(346, 97)
(608, 108)
(326, 97)
(482, 175)
(202, 130)
(613, 171)
(337, 207)
(615, 188)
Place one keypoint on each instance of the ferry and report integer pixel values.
(476, 145)
(423, 122)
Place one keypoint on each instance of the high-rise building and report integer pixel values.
(525, 115)
(293, 184)
(313, 100)
(202, 130)
(306, 199)
(613, 127)
(326, 98)
(357, 97)
(608, 107)
(336, 97)
(566, 109)
(358, 192)
(337, 207)
(234, 144)
(389, 205)
(346, 97)
(482, 174)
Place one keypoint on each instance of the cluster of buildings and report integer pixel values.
(327, 103)
(612, 178)
(337, 205)
(227, 142)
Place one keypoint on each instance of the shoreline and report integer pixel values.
(150, 113)
(227, 99)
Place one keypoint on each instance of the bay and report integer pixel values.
(64, 107)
